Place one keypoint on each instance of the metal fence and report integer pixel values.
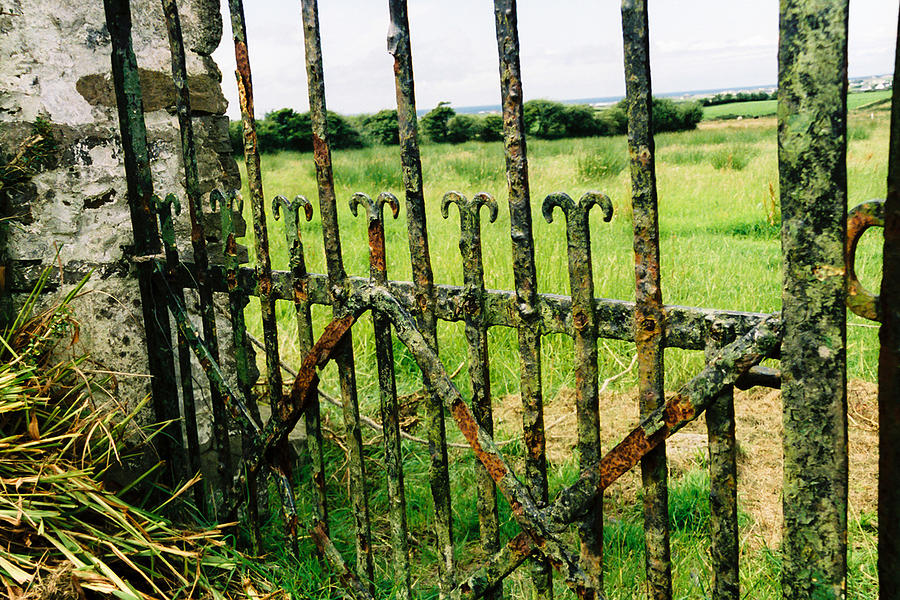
(808, 335)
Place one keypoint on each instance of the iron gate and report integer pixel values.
(808, 335)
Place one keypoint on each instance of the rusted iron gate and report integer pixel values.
(808, 335)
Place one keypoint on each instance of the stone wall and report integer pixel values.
(56, 67)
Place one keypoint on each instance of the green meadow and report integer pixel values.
(720, 247)
(762, 108)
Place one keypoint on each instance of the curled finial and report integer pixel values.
(452, 197)
(600, 199)
(171, 200)
(216, 199)
(580, 209)
(484, 199)
(560, 199)
(389, 199)
(360, 199)
(299, 202)
(227, 200)
(374, 209)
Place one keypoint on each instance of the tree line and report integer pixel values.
(285, 129)
(728, 97)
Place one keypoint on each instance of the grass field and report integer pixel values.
(720, 246)
(762, 108)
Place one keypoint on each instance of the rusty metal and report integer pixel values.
(860, 218)
(587, 401)
(244, 357)
(649, 318)
(163, 208)
(819, 276)
(723, 518)
(161, 362)
(687, 326)
(524, 271)
(399, 46)
(326, 548)
(336, 280)
(686, 405)
(390, 409)
(198, 236)
(479, 363)
(812, 88)
(258, 209)
(487, 580)
(302, 304)
(759, 376)
(889, 371)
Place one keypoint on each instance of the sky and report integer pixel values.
(570, 49)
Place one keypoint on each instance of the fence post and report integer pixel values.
(889, 372)
(147, 245)
(337, 279)
(399, 46)
(649, 316)
(524, 271)
(722, 476)
(812, 130)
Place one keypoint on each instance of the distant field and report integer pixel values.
(762, 108)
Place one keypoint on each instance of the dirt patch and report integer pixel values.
(758, 431)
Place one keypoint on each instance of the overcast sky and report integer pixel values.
(569, 49)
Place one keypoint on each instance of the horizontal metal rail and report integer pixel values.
(688, 327)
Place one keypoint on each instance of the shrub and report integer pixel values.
(461, 128)
(490, 128)
(581, 121)
(545, 119)
(668, 115)
(434, 124)
(236, 136)
(382, 127)
(613, 120)
(285, 129)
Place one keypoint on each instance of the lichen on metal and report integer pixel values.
(587, 401)
(337, 287)
(477, 342)
(889, 370)
(649, 316)
(812, 138)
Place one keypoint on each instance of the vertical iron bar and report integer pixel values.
(163, 208)
(812, 138)
(649, 317)
(587, 401)
(722, 478)
(524, 271)
(889, 371)
(479, 364)
(261, 237)
(146, 236)
(300, 283)
(198, 237)
(390, 410)
(400, 48)
(244, 362)
(257, 206)
(337, 284)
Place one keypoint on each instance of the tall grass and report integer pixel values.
(720, 247)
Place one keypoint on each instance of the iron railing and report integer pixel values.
(808, 336)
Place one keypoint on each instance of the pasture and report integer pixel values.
(720, 247)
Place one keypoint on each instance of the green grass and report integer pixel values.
(764, 108)
(720, 247)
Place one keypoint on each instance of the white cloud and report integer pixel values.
(569, 49)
